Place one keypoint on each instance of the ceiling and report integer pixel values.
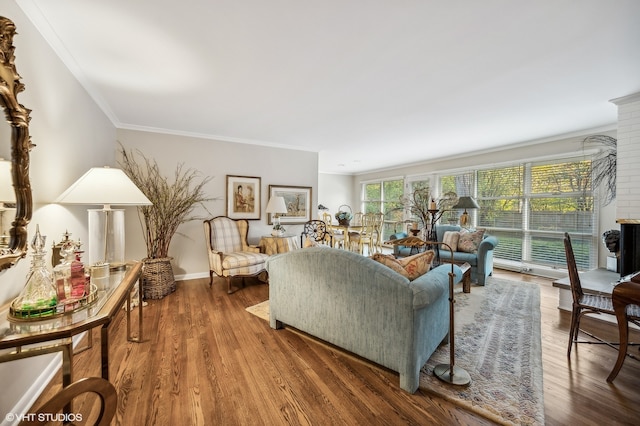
(369, 84)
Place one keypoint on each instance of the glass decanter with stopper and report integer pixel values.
(38, 297)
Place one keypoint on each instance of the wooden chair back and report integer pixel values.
(574, 278)
(316, 230)
(101, 387)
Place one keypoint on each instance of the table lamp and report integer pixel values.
(277, 206)
(106, 186)
(465, 203)
(7, 195)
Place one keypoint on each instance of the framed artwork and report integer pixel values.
(243, 197)
(298, 201)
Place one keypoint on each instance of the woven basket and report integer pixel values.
(157, 278)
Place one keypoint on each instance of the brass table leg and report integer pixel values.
(104, 346)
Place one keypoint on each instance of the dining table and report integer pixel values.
(626, 304)
(345, 229)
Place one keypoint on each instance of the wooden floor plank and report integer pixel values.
(205, 360)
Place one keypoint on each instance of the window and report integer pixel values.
(384, 196)
(530, 206)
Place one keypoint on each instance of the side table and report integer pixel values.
(270, 244)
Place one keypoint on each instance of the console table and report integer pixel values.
(55, 334)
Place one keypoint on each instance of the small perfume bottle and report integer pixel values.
(38, 297)
(62, 271)
(79, 278)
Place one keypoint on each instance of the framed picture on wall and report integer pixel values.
(297, 200)
(243, 197)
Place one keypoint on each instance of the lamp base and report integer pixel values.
(457, 376)
(464, 219)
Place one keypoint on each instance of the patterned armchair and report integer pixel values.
(229, 253)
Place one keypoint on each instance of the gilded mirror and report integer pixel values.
(18, 119)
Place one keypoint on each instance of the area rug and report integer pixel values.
(261, 310)
(498, 343)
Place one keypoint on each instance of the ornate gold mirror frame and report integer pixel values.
(18, 118)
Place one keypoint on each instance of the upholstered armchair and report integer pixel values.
(229, 253)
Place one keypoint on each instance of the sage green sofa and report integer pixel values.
(362, 306)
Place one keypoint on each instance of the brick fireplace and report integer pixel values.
(628, 182)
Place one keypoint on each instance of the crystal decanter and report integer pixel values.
(38, 297)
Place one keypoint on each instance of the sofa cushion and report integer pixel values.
(418, 264)
(470, 241)
(451, 239)
(459, 257)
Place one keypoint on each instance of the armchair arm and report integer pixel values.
(215, 261)
(485, 258)
(488, 243)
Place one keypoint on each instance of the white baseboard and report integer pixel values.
(197, 275)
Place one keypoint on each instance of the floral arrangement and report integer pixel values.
(342, 215)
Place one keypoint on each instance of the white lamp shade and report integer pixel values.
(7, 193)
(276, 205)
(104, 185)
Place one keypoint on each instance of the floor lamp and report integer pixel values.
(106, 186)
(451, 373)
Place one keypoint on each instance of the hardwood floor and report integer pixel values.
(206, 361)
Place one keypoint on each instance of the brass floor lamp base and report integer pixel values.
(455, 376)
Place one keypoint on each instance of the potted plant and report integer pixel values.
(173, 202)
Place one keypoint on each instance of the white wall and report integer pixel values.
(335, 190)
(71, 134)
(274, 166)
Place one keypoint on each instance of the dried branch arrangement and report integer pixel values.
(419, 204)
(173, 201)
(604, 165)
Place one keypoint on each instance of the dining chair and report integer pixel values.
(337, 237)
(365, 234)
(316, 231)
(378, 223)
(584, 303)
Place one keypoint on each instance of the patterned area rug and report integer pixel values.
(261, 310)
(498, 342)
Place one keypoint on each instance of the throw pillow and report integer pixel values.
(470, 241)
(390, 262)
(418, 264)
(451, 238)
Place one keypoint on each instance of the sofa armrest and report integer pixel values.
(430, 286)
